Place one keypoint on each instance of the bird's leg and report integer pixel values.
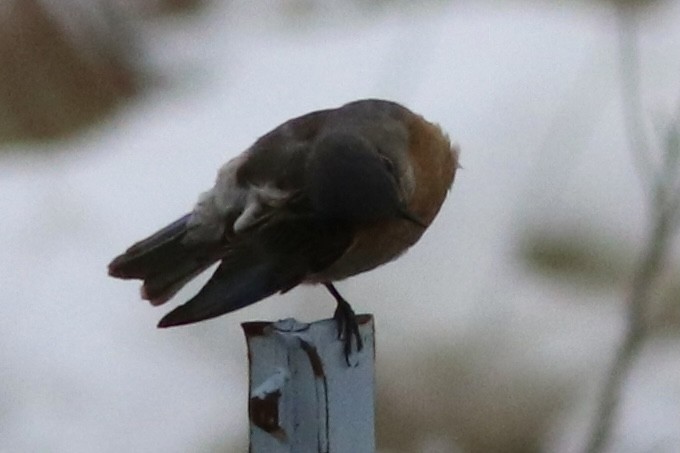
(347, 323)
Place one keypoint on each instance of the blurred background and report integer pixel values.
(494, 334)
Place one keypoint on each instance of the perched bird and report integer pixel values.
(322, 197)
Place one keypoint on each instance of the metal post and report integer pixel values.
(303, 396)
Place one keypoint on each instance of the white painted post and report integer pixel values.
(303, 396)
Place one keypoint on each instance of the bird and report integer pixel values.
(320, 198)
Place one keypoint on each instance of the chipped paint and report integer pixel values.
(303, 396)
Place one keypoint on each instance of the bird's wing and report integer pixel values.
(275, 257)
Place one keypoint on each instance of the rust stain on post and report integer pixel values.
(314, 359)
(255, 328)
(364, 319)
(264, 413)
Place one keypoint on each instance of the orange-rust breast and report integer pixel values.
(433, 162)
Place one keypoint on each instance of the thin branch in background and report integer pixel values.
(629, 67)
(670, 181)
(663, 182)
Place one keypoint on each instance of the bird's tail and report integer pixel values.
(163, 261)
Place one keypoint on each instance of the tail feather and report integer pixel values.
(163, 285)
(163, 261)
(161, 249)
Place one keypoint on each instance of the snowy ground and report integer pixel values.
(530, 93)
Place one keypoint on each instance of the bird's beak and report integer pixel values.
(411, 217)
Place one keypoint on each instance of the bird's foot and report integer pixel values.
(346, 321)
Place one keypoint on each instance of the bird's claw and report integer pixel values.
(348, 328)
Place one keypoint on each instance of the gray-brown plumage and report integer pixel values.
(320, 198)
